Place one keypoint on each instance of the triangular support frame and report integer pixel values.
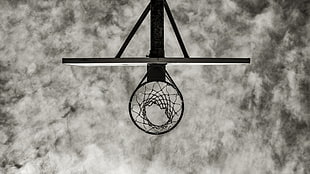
(157, 53)
(140, 21)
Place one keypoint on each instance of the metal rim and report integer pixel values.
(166, 131)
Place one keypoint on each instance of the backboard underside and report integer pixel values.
(145, 61)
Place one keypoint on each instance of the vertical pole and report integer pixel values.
(156, 72)
(157, 29)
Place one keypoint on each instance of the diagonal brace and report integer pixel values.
(175, 28)
(133, 31)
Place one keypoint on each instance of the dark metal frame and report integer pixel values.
(156, 63)
(156, 7)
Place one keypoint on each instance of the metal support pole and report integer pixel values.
(176, 30)
(156, 72)
(133, 31)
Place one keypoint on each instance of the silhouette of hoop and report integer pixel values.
(161, 94)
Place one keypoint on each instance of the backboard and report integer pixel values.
(144, 61)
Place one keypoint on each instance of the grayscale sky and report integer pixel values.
(252, 119)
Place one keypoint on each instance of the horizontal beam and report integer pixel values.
(145, 61)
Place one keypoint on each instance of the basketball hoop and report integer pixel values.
(167, 100)
(156, 106)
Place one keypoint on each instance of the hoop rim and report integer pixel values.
(178, 121)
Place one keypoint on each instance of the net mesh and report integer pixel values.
(159, 94)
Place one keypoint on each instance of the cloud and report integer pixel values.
(237, 119)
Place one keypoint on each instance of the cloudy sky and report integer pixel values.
(237, 119)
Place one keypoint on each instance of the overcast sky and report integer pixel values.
(237, 119)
